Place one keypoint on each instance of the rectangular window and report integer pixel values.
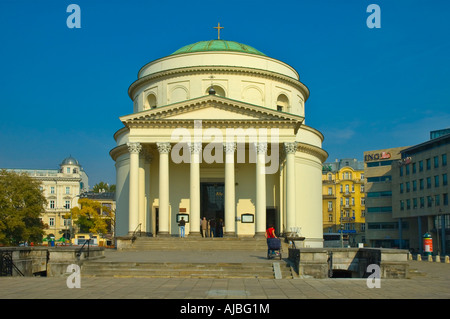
(68, 170)
(67, 205)
(414, 185)
(436, 161)
(422, 202)
(436, 181)
(380, 194)
(402, 205)
(52, 189)
(376, 179)
(67, 190)
(420, 166)
(414, 168)
(429, 201)
(382, 209)
(408, 204)
(401, 188)
(414, 202)
(428, 182)
(428, 164)
(437, 200)
(444, 159)
(407, 169)
(407, 187)
(330, 191)
(51, 221)
(444, 179)
(445, 199)
(52, 204)
(401, 171)
(421, 184)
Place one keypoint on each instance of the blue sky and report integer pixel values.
(62, 90)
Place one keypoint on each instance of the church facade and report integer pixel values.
(218, 131)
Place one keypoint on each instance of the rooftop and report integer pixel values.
(218, 45)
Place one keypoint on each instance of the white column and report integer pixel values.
(146, 220)
(290, 149)
(194, 219)
(133, 211)
(230, 201)
(164, 149)
(261, 149)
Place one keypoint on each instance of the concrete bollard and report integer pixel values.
(410, 256)
(419, 257)
(430, 258)
(438, 259)
(447, 260)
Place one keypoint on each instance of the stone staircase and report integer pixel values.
(183, 270)
(270, 269)
(198, 244)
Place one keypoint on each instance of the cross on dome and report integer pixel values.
(218, 30)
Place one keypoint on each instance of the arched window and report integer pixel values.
(282, 103)
(151, 100)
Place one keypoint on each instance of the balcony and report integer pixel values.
(346, 193)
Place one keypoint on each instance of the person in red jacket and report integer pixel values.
(270, 232)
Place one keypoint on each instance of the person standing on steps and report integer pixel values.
(212, 228)
(204, 226)
(182, 225)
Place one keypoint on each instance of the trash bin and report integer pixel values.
(52, 243)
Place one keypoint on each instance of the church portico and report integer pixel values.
(233, 161)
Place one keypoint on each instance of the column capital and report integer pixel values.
(163, 147)
(195, 147)
(229, 147)
(134, 147)
(290, 148)
(261, 147)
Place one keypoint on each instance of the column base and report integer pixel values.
(194, 234)
(260, 235)
(229, 234)
(164, 234)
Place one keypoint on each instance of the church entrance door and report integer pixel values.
(212, 200)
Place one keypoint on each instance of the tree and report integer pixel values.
(92, 217)
(21, 205)
(103, 187)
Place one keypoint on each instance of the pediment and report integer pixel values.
(211, 108)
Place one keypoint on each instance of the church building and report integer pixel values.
(218, 130)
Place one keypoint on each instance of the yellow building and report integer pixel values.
(344, 199)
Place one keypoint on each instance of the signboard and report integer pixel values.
(247, 218)
(377, 156)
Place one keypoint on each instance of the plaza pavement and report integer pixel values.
(427, 280)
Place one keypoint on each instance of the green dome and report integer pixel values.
(218, 45)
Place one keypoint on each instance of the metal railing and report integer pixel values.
(134, 235)
(80, 251)
(7, 265)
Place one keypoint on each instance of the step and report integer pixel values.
(188, 270)
(198, 244)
